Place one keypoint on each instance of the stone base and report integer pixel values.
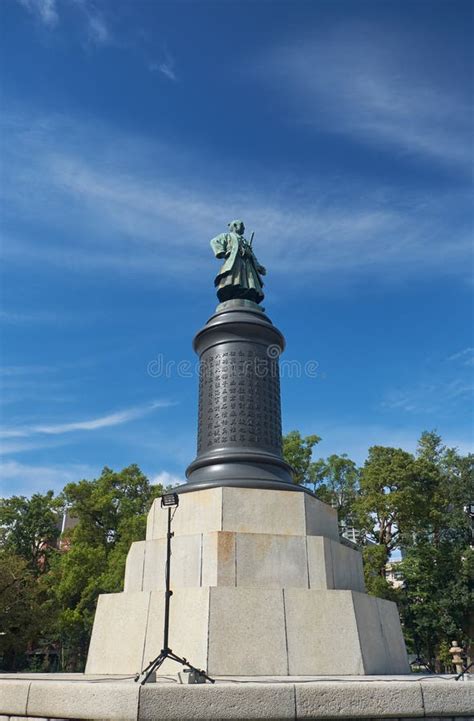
(76, 696)
(250, 560)
(250, 631)
(261, 586)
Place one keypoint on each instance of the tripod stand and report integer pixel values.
(419, 661)
(168, 501)
(465, 670)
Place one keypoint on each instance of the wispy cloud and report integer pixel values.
(373, 87)
(24, 370)
(24, 479)
(97, 29)
(148, 219)
(438, 397)
(45, 10)
(465, 357)
(106, 421)
(99, 33)
(167, 479)
(16, 318)
(166, 67)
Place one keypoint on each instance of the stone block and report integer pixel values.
(393, 635)
(245, 510)
(320, 568)
(185, 565)
(13, 696)
(155, 560)
(150, 519)
(332, 565)
(448, 698)
(320, 519)
(189, 615)
(274, 702)
(358, 699)
(322, 633)
(251, 510)
(381, 640)
(118, 634)
(218, 559)
(109, 700)
(271, 561)
(348, 573)
(198, 512)
(134, 567)
(372, 641)
(246, 632)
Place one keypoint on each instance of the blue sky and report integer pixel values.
(132, 132)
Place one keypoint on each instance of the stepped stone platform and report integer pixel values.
(104, 698)
(261, 586)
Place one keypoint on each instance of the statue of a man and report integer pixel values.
(239, 276)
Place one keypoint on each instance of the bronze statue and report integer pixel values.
(240, 274)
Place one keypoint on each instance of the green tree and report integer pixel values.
(20, 610)
(298, 451)
(336, 482)
(111, 512)
(438, 564)
(29, 528)
(391, 505)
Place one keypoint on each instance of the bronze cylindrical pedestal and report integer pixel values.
(239, 422)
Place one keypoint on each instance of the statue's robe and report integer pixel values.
(238, 276)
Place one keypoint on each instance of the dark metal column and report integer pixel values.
(239, 423)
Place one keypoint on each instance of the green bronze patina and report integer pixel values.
(240, 274)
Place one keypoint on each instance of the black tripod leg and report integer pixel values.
(152, 666)
(465, 670)
(185, 662)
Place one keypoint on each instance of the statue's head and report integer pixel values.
(237, 226)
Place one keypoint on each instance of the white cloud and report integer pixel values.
(111, 419)
(23, 480)
(12, 371)
(16, 318)
(372, 86)
(98, 31)
(465, 357)
(438, 397)
(45, 10)
(136, 218)
(96, 28)
(167, 479)
(166, 67)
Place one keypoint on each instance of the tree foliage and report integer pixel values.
(62, 587)
(298, 451)
(412, 505)
(20, 608)
(29, 528)
(437, 599)
(333, 480)
(336, 482)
